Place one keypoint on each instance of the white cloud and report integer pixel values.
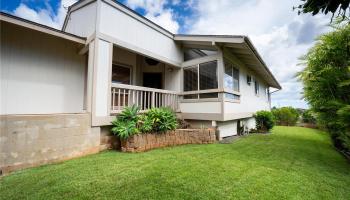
(165, 20)
(45, 15)
(280, 35)
(156, 12)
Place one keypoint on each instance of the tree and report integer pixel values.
(340, 8)
(286, 116)
(308, 117)
(326, 82)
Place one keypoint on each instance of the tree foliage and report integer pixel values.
(308, 117)
(326, 81)
(340, 8)
(286, 116)
(264, 120)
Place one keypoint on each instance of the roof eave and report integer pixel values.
(251, 46)
(40, 27)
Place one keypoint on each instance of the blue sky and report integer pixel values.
(280, 35)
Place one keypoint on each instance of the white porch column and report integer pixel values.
(103, 53)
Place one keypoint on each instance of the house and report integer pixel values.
(74, 81)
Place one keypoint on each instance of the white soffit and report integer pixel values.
(240, 46)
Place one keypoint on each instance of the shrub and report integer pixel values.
(163, 119)
(308, 117)
(124, 129)
(286, 116)
(264, 120)
(125, 125)
(326, 83)
(129, 114)
(145, 123)
(129, 122)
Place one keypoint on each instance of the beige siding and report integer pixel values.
(40, 74)
(249, 101)
(131, 33)
(82, 22)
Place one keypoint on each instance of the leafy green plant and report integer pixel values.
(145, 123)
(163, 119)
(124, 129)
(286, 116)
(129, 114)
(308, 117)
(264, 120)
(125, 124)
(129, 122)
(326, 81)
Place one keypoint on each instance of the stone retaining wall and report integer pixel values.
(144, 142)
(32, 140)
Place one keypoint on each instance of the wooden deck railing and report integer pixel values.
(127, 95)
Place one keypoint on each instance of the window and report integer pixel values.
(249, 79)
(121, 74)
(231, 77)
(232, 96)
(256, 85)
(191, 79)
(207, 76)
(201, 77)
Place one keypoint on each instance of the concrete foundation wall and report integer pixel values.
(31, 140)
(224, 128)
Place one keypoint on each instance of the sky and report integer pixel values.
(280, 35)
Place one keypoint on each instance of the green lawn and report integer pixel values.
(290, 163)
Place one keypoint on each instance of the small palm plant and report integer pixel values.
(125, 125)
(124, 129)
(129, 122)
(163, 119)
(129, 114)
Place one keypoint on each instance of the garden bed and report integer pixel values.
(144, 142)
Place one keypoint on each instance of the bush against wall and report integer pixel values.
(130, 122)
(308, 117)
(264, 121)
(326, 81)
(285, 116)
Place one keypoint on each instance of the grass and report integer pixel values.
(290, 163)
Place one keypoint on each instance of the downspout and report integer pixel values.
(270, 96)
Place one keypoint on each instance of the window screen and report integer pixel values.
(208, 95)
(228, 77)
(235, 73)
(208, 76)
(256, 87)
(121, 74)
(232, 96)
(231, 77)
(191, 79)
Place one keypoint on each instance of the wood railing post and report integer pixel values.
(127, 95)
(153, 99)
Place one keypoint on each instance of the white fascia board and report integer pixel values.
(209, 38)
(41, 28)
